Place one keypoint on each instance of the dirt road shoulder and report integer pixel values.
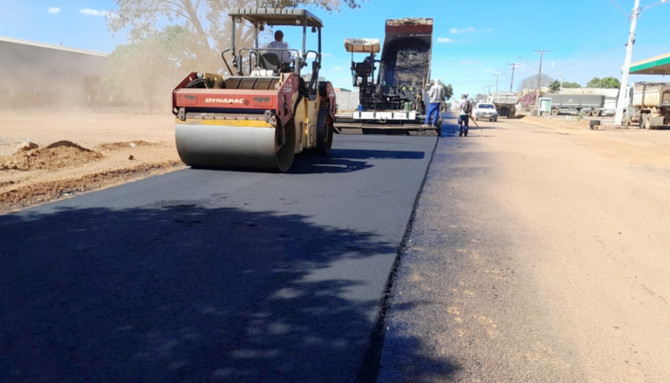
(48, 156)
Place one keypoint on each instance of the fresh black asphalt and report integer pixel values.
(205, 275)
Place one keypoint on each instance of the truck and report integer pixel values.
(505, 103)
(586, 104)
(390, 88)
(648, 105)
(266, 111)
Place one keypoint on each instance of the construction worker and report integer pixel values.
(465, 107)
(435, 97)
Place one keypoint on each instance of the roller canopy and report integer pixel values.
(278, 16)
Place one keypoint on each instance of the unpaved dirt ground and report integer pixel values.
(47, 156)
(539, 253)
(595, 205)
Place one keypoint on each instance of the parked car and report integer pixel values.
(485, 110)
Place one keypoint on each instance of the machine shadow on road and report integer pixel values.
(180, 291)
(347, 160)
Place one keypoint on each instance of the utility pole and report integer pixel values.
(497, 76)
(511, 83)
(618, 117)
(539, 79)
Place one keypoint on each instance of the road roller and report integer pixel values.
(264, 111)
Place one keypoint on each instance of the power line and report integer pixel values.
(539, 74)
(497, 76)
(539, 78)
(511, 83)
(585, 60)
(528, 62)
(645, 31)
(619, 8)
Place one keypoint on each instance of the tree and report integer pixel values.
(607, 82)
(530, 82)
(448, 91)
(141, 73)
(527, 100)
(555, 86)
(196, 32)
(571, 85)
(205, 18)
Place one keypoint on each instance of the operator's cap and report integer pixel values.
(437, 81)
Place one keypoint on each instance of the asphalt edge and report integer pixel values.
(368, 371)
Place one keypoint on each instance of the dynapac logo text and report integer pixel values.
(225, 100)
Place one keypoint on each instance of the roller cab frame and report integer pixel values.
(265, 111)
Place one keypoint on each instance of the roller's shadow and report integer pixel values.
(347, 160)
(183, 292)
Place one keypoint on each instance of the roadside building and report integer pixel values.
(49, 76)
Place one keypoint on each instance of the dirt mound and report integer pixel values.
(110, 149)
(18, 197)
(59, 155)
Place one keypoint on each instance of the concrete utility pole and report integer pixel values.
(497, 76)
(511, 83)
(539, 79)
(618, 117)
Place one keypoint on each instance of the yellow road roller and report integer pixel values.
(265, 111)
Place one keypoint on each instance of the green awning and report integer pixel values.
(655, 65)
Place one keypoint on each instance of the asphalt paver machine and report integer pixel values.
(391, 87)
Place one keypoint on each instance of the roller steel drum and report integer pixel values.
(235, 145)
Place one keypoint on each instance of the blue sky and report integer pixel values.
(473, 41)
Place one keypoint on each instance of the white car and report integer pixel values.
(485, 110)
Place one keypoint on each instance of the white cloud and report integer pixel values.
(445, 40)
(93, 12)
(54, 10)
(455, 31)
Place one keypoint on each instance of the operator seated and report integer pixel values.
(365, 68)
(370, 61)
(283, 60)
